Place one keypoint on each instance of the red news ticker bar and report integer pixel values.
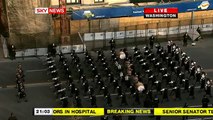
(160, 10)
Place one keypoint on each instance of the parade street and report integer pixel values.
(41, 95)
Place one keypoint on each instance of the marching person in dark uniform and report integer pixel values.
(186, 85)
(181, 77)
(198, 74)
(91, 91)
(132, 89)
(185, 39)
(151, 41)
(192, 91)
(147, 102)
(167, 77)
(77, 92)
(72, 89)
(123, 99)
(52, 49)
(187, 64)
(101, 85)
(177, 92)
(112, 44)
(115, 84)
(21, 94)
(64, 101)
(156, 102)
(105, 91)
(78, 101)
(149, 94)
(202, 81)
(93, 101)
(137, 98)
(86, 86)
(164, 92)
(158, 85)
(108, 100)
(169, 46)
(205, 102)
(119, 90)
(208, 88)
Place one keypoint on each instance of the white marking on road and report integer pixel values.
(208, 70)
(31, 84)
(38, 70)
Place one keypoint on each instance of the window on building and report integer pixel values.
(98, 1)
(73, 1)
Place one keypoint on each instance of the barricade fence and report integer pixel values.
(134, 35)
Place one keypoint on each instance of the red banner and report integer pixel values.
(56, 10)
(160, 10)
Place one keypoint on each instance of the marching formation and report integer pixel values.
(21, 95)
(147, 76)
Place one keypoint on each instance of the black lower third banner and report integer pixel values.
(167, 15)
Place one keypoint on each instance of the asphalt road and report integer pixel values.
(40, 94)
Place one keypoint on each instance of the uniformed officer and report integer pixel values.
(86, 86)
(164, 92)
(64, 101)
(169, 46)
(158, 85)
(185, 39)
(132, 89)
(137, 98)
(77, 92)
(205, 102)
(119, 90)
(112, 44)
(123, 99)
(78, 101)
(115, 84)
(93, 101)
(208, 88)
(191, 91)
(151, 41)
(91, 91)
(198, 73)
(202, 81)
(149, 94)
(105, 91)
(177, 92)
(21, 94)
(186, 85)
(108, 100)
(156, 102)
(72, 89)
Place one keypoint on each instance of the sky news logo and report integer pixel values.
(50, 10)
(160, 12)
